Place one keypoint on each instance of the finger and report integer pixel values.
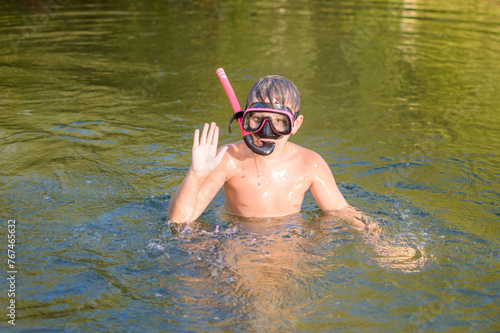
(196, 138)
(215, 136)
(203, 138)
(210, 136)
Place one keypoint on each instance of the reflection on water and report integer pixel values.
(256, 272)
(98, 103)
(265, 274)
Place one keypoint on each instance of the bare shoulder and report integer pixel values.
(233, 157)
(235, 151)
(307, 156)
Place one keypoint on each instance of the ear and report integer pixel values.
(297, 123)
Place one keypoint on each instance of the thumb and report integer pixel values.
(220, 153)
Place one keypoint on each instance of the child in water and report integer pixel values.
(265, 175)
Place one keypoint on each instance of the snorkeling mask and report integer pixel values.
(267, 120)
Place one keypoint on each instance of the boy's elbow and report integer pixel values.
(177, 218)
(180, 211)
(177, 215)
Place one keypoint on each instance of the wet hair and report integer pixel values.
(275, 89)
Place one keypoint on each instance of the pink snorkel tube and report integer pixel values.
(268, 147)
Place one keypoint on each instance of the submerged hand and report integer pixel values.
(205, 155)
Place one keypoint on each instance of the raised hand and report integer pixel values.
(205, 157)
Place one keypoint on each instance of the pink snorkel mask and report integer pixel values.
(270, 121)
(266, 120)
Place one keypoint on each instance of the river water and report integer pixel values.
(98, 103)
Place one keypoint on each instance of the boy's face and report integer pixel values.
(271, 125)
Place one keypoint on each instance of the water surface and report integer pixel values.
(98, 103)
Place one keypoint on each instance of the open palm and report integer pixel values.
(205, 155)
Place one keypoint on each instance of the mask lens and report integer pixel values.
(281, 123)
(253, 121)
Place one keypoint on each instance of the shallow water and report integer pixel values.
(98, 103)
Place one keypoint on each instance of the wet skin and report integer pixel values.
(274, 185)
(254, 185)
(267, 186)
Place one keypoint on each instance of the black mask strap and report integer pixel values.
(236, 115)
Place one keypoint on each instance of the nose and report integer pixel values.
(267, 130)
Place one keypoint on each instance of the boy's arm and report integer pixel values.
(203, 179)
(329, 199)
(324, 188)
(359, 221)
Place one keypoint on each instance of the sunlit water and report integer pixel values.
(98, 103)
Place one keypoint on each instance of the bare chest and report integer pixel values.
(266, 191)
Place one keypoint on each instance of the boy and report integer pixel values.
(266, 177)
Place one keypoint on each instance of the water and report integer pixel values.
(98, 103)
